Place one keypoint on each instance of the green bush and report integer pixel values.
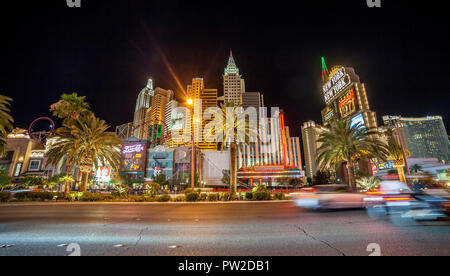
(225, 196)
(180, 199)
(164, 198)
(249, 196)
(4, 197)
(261, 196)
(192, 197)
(203, 197)
(91, 197)
(212, 197)
(279, 196)
(38, 196)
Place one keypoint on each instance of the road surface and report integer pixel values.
(261, 229)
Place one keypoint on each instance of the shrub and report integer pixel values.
(225, 196)
(91, 197)
(38, 196)
(192, 197)
(4, 197)
(279, 196)
(261, 195)
(249, 196)
(212, 197)
(180, 199)
(164, 198)
(203, 197)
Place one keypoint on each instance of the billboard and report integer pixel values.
(328, 115)
(134, 157)
(358, 120)
(339, 81)
(347, 103)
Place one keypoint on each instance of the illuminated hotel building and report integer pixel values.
(252, 99)
(423, 137)
(345, 97)
(143, 103)
(233, 84)
(155, 126)
(310, 134)
(276, 155)
(203, 99)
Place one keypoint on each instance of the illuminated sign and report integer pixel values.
(133, 157)
(386, 165)
(133, 148)
(103, 174)
(328, 115)
(374, 169)
(358, 120)
(339, 80)
(18, 169)
(347, 103)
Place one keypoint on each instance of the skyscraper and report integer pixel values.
(155, 118)
(144, 101)
(252, 99)
(233, 84)
(310, 134)
(203, 99)
(345, 97)
(423, 137)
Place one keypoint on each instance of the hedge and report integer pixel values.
(4, 197)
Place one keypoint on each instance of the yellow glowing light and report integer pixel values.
(190, 101)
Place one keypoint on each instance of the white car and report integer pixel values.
(329, 197)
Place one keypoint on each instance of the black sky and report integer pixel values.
(107, 49)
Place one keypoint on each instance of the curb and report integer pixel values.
(142, 203)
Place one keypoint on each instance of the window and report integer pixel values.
(34, 165)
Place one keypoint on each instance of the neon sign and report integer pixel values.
(133, 148)
(338, 82)
(134, 157)
(347, 103)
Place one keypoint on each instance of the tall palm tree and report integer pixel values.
(70, 108)
(230, 133)
(88, 145)
(6, 121)
(397, 154)
(345, 144)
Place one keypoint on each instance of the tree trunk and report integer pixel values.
(233, 169)
(84, 181)
(401, 174)
(68, 173)
(351, 176)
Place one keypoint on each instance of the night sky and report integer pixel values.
(107, 50)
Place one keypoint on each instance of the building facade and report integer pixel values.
(155, 120)
(345, 98)
(424, 137)
(310, 135)
(233, 83)
(143, 103)
(252, 99)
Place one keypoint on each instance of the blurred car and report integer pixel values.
(329, 197)
(394, 201)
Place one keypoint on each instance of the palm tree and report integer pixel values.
(70, 108)
(88, 145)
(5, 121)
(397, 155)
(230, 130)
(416, 168)
(345, 144)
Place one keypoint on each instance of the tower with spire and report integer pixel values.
(233, 83)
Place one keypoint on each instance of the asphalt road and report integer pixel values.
(261, 229)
